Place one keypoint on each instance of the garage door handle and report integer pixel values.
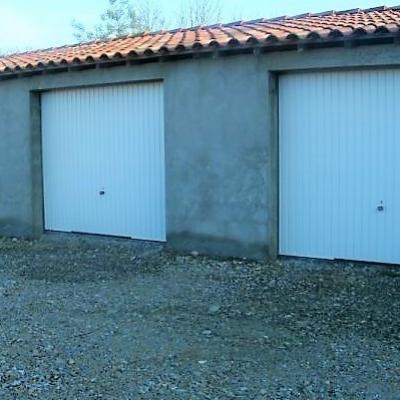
(102, 193)
(381, 207)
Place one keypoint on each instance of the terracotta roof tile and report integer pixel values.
(327, 26)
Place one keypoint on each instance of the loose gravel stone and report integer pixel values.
(92, 318)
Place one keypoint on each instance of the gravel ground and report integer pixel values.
(86, 318)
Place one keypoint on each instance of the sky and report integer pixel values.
(34, 24)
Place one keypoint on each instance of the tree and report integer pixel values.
(200, 12)
(121, 17)
(124, 16)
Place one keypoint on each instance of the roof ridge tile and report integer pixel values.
(238, 23)
(349, 11)
(281, 18)
(324, 13)
(299, 16)
(378, 8)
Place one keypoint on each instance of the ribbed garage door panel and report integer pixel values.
(105, 139)
(339, 159)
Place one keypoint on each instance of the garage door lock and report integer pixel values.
(102, 193)
(380, 207)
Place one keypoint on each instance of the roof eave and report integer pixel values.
(256, 48)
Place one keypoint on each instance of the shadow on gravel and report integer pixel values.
(338, 299)
(81, 260)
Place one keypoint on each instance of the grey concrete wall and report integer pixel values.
(221, 144)
(217, 152)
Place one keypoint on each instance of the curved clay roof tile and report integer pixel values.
(327, 26)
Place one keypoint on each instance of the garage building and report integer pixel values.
(254, 139)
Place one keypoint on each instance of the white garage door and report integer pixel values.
(103, 160)
(340, 165)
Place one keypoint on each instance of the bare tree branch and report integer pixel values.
(150, 15)
(200, 12)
